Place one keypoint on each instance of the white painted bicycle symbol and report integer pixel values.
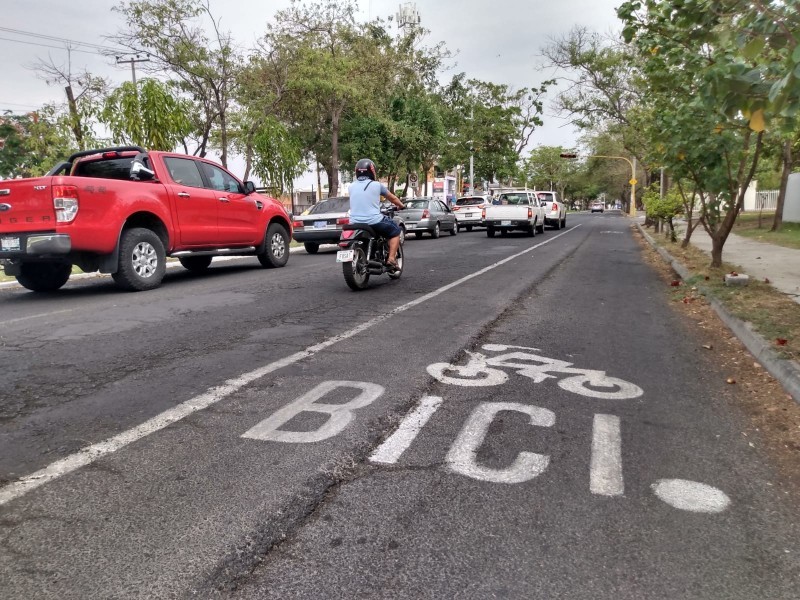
(483, 370)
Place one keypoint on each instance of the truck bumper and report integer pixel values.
(24, 245)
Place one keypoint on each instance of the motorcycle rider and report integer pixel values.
(365, 206)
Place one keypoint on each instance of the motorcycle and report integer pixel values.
(364, 253)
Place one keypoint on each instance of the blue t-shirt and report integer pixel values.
(365, 201)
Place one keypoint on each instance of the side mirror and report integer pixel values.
(249, 187)
(140, 170)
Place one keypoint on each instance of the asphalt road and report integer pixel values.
(515, 418)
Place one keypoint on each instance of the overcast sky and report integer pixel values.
(494, 40)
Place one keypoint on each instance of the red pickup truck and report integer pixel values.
(124, 210)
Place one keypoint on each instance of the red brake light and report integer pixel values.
(110, 154)
(530, 212)
(455, 208)
(297, 224)
(343, 221)
(483, 213)
(65, 203)
(555, 206)
(425, 214)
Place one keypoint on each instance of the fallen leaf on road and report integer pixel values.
(675, 283)
(781, 341)
(708, 346)
(730, 380)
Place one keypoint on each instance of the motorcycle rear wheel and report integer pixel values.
(356, 274)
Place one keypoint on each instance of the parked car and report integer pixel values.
(555, 211)
(469, 211)
(597, 206)
(428, 215)
(516, 210)
(123, 210)
(323, 222)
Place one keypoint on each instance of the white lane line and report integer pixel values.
(91, 453)
(605, 476)
(55, 312)
(390, 451)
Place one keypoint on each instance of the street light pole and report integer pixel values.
(471, 154)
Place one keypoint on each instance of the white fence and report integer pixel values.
(766, 200)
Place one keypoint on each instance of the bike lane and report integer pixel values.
(498, 485)
(190, 508)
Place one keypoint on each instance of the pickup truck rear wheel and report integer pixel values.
(142, 260)
(541, 227)
(44, 276)
(195, 264)
(490, 232)
(276, 248)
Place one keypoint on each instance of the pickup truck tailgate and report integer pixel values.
(499, 212)
(27, 205)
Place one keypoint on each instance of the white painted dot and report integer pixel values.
(691, 495)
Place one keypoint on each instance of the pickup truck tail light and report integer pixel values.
(65, 202)
(530, 212)
(555, 207)
(425, 214)
(343, 221)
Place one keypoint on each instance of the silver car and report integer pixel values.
(428, 215)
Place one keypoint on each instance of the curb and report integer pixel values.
(170, 265)
(787, 372)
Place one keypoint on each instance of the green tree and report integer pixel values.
(34, 142)
(147, 114)
(205, 69)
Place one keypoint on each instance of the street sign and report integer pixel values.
(632, 182)
(413, 178)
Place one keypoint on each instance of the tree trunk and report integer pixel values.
(777, 223)
(333, 181)
(405, 188)
(75, 118)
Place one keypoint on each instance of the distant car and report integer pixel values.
(597, 206)
(468, 211)
(322, 223)
(428, 215)
(555, 211)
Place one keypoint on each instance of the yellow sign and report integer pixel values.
(632, 182)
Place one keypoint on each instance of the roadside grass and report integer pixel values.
(770, 312)
(747, 226)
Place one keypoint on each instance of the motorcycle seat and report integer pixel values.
(360, 226)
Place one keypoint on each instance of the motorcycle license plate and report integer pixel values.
(345, 256)
(9, 243)
(505, 222)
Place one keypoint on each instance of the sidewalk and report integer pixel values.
(758, 260)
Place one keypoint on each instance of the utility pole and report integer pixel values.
(472, 153)
(133, 60)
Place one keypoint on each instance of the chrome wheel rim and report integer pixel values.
(278, 246)
(145, 260)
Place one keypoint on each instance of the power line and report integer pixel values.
(59, 39)
(41, 45)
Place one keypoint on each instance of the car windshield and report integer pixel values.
(514, 198)
(469, 201)
(331, 205)
(417, 204)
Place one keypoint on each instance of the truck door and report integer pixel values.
(239, 222)
(196, 206)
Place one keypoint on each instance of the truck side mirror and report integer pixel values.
(140, 170)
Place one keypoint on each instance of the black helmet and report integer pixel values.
(366, 168)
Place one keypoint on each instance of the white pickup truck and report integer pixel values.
(515, 210)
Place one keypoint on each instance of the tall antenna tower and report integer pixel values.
(408, 18)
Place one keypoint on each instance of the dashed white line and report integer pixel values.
(91, 453)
